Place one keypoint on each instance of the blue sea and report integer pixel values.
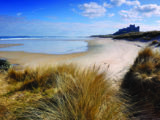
(46, 44)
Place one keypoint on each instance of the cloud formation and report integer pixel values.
(19, 14)
(20, 26)
(130, 15)
(148, 9)
(111, 14)
(118, 2)
(127, 2)
(141, 11)
(93, 10)
(133, 3)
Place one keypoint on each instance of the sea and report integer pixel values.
(46, 44)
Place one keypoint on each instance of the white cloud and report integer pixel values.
(92, 10)
(158, 22)
(19, 14)
(118, 2)
(134, 3)
(107, 5)
(148, 27)
(111, 14)
(127, 2)
(148, 9)
(140, 12)
(130, 15)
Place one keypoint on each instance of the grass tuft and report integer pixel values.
(4, 65)
(142, 82)
(33, 79)
(80, 95)
(154, 42)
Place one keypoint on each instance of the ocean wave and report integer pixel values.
(43, 37)
(19, 38)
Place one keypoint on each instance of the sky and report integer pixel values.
(76, 17)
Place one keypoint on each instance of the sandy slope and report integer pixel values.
(116, 56)
(112, 55)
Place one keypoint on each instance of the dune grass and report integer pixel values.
(142, 82)
(138, 35)
(63, 92)
(154, 42)
(4, 65)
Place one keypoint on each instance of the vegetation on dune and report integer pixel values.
(154, 42)
(103, 36)
(133, 35)
(142, 83)
(4, 65)
(63, 92)
(33, 79)
(138, 35)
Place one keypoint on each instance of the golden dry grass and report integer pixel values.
(142, 82)
(63, 92)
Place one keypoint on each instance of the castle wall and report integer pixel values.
(131, 28)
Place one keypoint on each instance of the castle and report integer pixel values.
(131, 28)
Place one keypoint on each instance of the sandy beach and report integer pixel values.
(115, 56)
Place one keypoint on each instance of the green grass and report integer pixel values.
(62, 92)
(142, 83)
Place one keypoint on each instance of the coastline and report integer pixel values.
(9, 45)
(34, 60)
(112, 55)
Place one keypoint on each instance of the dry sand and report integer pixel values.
(114, 55)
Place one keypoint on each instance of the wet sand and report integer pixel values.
(9, 45)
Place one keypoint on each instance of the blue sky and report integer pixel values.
(76, 17)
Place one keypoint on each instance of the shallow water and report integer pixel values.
(46, 45)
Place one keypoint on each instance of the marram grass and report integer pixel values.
(65, 92)
(142, 83)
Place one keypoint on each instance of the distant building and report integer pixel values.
(131, 28)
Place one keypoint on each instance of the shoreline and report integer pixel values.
(9, 45)
(112, 56)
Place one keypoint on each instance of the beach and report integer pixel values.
(113, 56)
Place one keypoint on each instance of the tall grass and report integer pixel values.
(81, 95)
(142, 82)
(33, 79)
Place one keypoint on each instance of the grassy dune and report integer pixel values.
(133, 35)
(138, 35)
(67, 92)
(142, 84)
(63, 92)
